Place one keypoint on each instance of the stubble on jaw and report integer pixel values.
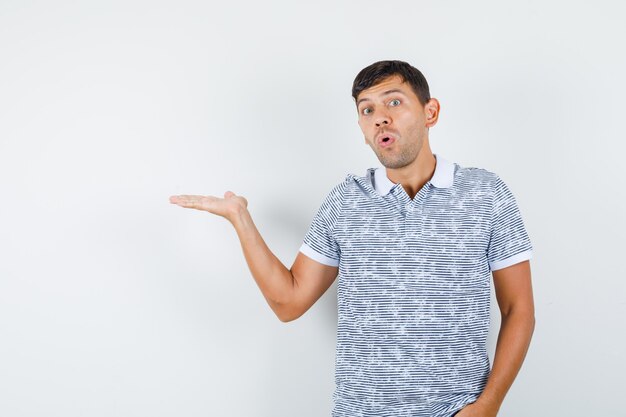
(394, 158)
(405, 157)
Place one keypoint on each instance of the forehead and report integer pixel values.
(393, 82)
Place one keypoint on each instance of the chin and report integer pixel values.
(396, 163)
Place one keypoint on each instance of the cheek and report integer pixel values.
(412, 123)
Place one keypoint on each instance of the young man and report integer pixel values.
(413, 243)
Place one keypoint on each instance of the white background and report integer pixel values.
(113, 302)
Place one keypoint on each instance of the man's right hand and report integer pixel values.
(228, 207)
(289, 292)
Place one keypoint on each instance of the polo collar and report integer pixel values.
(442, 177)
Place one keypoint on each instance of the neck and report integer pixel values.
(416, 174)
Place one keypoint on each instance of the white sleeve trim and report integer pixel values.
(316, 256)
(511, 260)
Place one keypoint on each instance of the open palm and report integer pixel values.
(226, 207)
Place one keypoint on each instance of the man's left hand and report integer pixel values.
(477, 409)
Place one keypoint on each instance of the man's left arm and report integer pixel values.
(515, 299)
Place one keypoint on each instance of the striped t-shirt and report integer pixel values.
(413, 288)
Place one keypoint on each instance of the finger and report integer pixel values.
(187, 201)
(178, 199)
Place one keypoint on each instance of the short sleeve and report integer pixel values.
(319, 243)
(509, 242)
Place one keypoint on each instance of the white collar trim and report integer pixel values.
(442, 177)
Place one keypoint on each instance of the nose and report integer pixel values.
(382, 119)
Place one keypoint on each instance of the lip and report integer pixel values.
(380, 137)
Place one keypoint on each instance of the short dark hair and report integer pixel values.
(381, 70)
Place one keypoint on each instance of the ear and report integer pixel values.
(431, 111)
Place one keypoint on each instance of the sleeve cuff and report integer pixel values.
(511, 260)
(316, 256)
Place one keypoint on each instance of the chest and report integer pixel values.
(452, 229)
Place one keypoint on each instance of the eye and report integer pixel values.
(394, 102)
(367, 110)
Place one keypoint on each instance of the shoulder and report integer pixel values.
(475, 177)
(489, 187)
(353, 184)
(335, 198)
(349, 189)
(339, 191)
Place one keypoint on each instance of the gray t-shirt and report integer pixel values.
(413, 288)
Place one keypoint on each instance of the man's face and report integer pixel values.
(393, 121)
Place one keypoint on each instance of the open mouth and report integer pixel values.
(386, 141)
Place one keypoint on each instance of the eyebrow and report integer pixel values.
(395, 90)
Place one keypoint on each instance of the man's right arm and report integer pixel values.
(289, 292)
